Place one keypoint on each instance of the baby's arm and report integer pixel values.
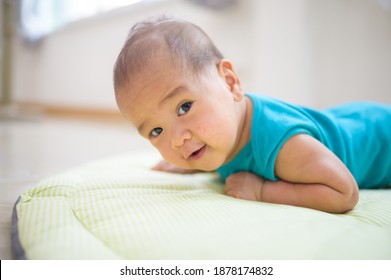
(311, 176)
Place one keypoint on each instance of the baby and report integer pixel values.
(183, 96)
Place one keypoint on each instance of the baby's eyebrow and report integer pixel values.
(140, 128)
(172, 94)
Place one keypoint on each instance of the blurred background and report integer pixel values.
(57, 106)
(312, 52)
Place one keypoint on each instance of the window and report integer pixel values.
(40, 17)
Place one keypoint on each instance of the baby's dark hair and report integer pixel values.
(186, 42)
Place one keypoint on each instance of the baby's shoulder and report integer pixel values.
(362, 110)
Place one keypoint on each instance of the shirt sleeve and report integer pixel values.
(274, 122)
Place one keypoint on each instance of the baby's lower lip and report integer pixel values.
(198, 154)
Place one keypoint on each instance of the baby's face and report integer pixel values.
(193, 121)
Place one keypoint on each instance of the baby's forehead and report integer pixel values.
(149, 83)
(151, 58)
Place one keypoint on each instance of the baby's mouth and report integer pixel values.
(198, 154)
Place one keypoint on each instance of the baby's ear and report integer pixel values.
(231, 79)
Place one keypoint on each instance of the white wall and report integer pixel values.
(313, 52)
(322, 52)
(351, 50)
(281, 45)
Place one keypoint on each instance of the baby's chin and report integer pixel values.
(200, 164)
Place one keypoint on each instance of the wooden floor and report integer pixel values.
(31, 150)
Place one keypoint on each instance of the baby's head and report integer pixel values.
(187, 46)
(173, 84)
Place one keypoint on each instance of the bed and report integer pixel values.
(118, 208)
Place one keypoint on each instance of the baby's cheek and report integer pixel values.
(201, 126)
(162, 149)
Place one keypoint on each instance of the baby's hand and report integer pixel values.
(168, 167)
(244, 185)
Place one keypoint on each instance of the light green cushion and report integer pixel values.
(118, 208)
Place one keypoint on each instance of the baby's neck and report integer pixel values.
(246, 122)
(245, 110)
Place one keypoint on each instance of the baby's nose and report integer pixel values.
(179, 137)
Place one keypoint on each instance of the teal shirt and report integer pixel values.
(358, 133)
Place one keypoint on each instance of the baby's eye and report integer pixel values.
(184, 108)
(156, 131)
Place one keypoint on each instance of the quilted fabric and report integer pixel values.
(118, 208)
